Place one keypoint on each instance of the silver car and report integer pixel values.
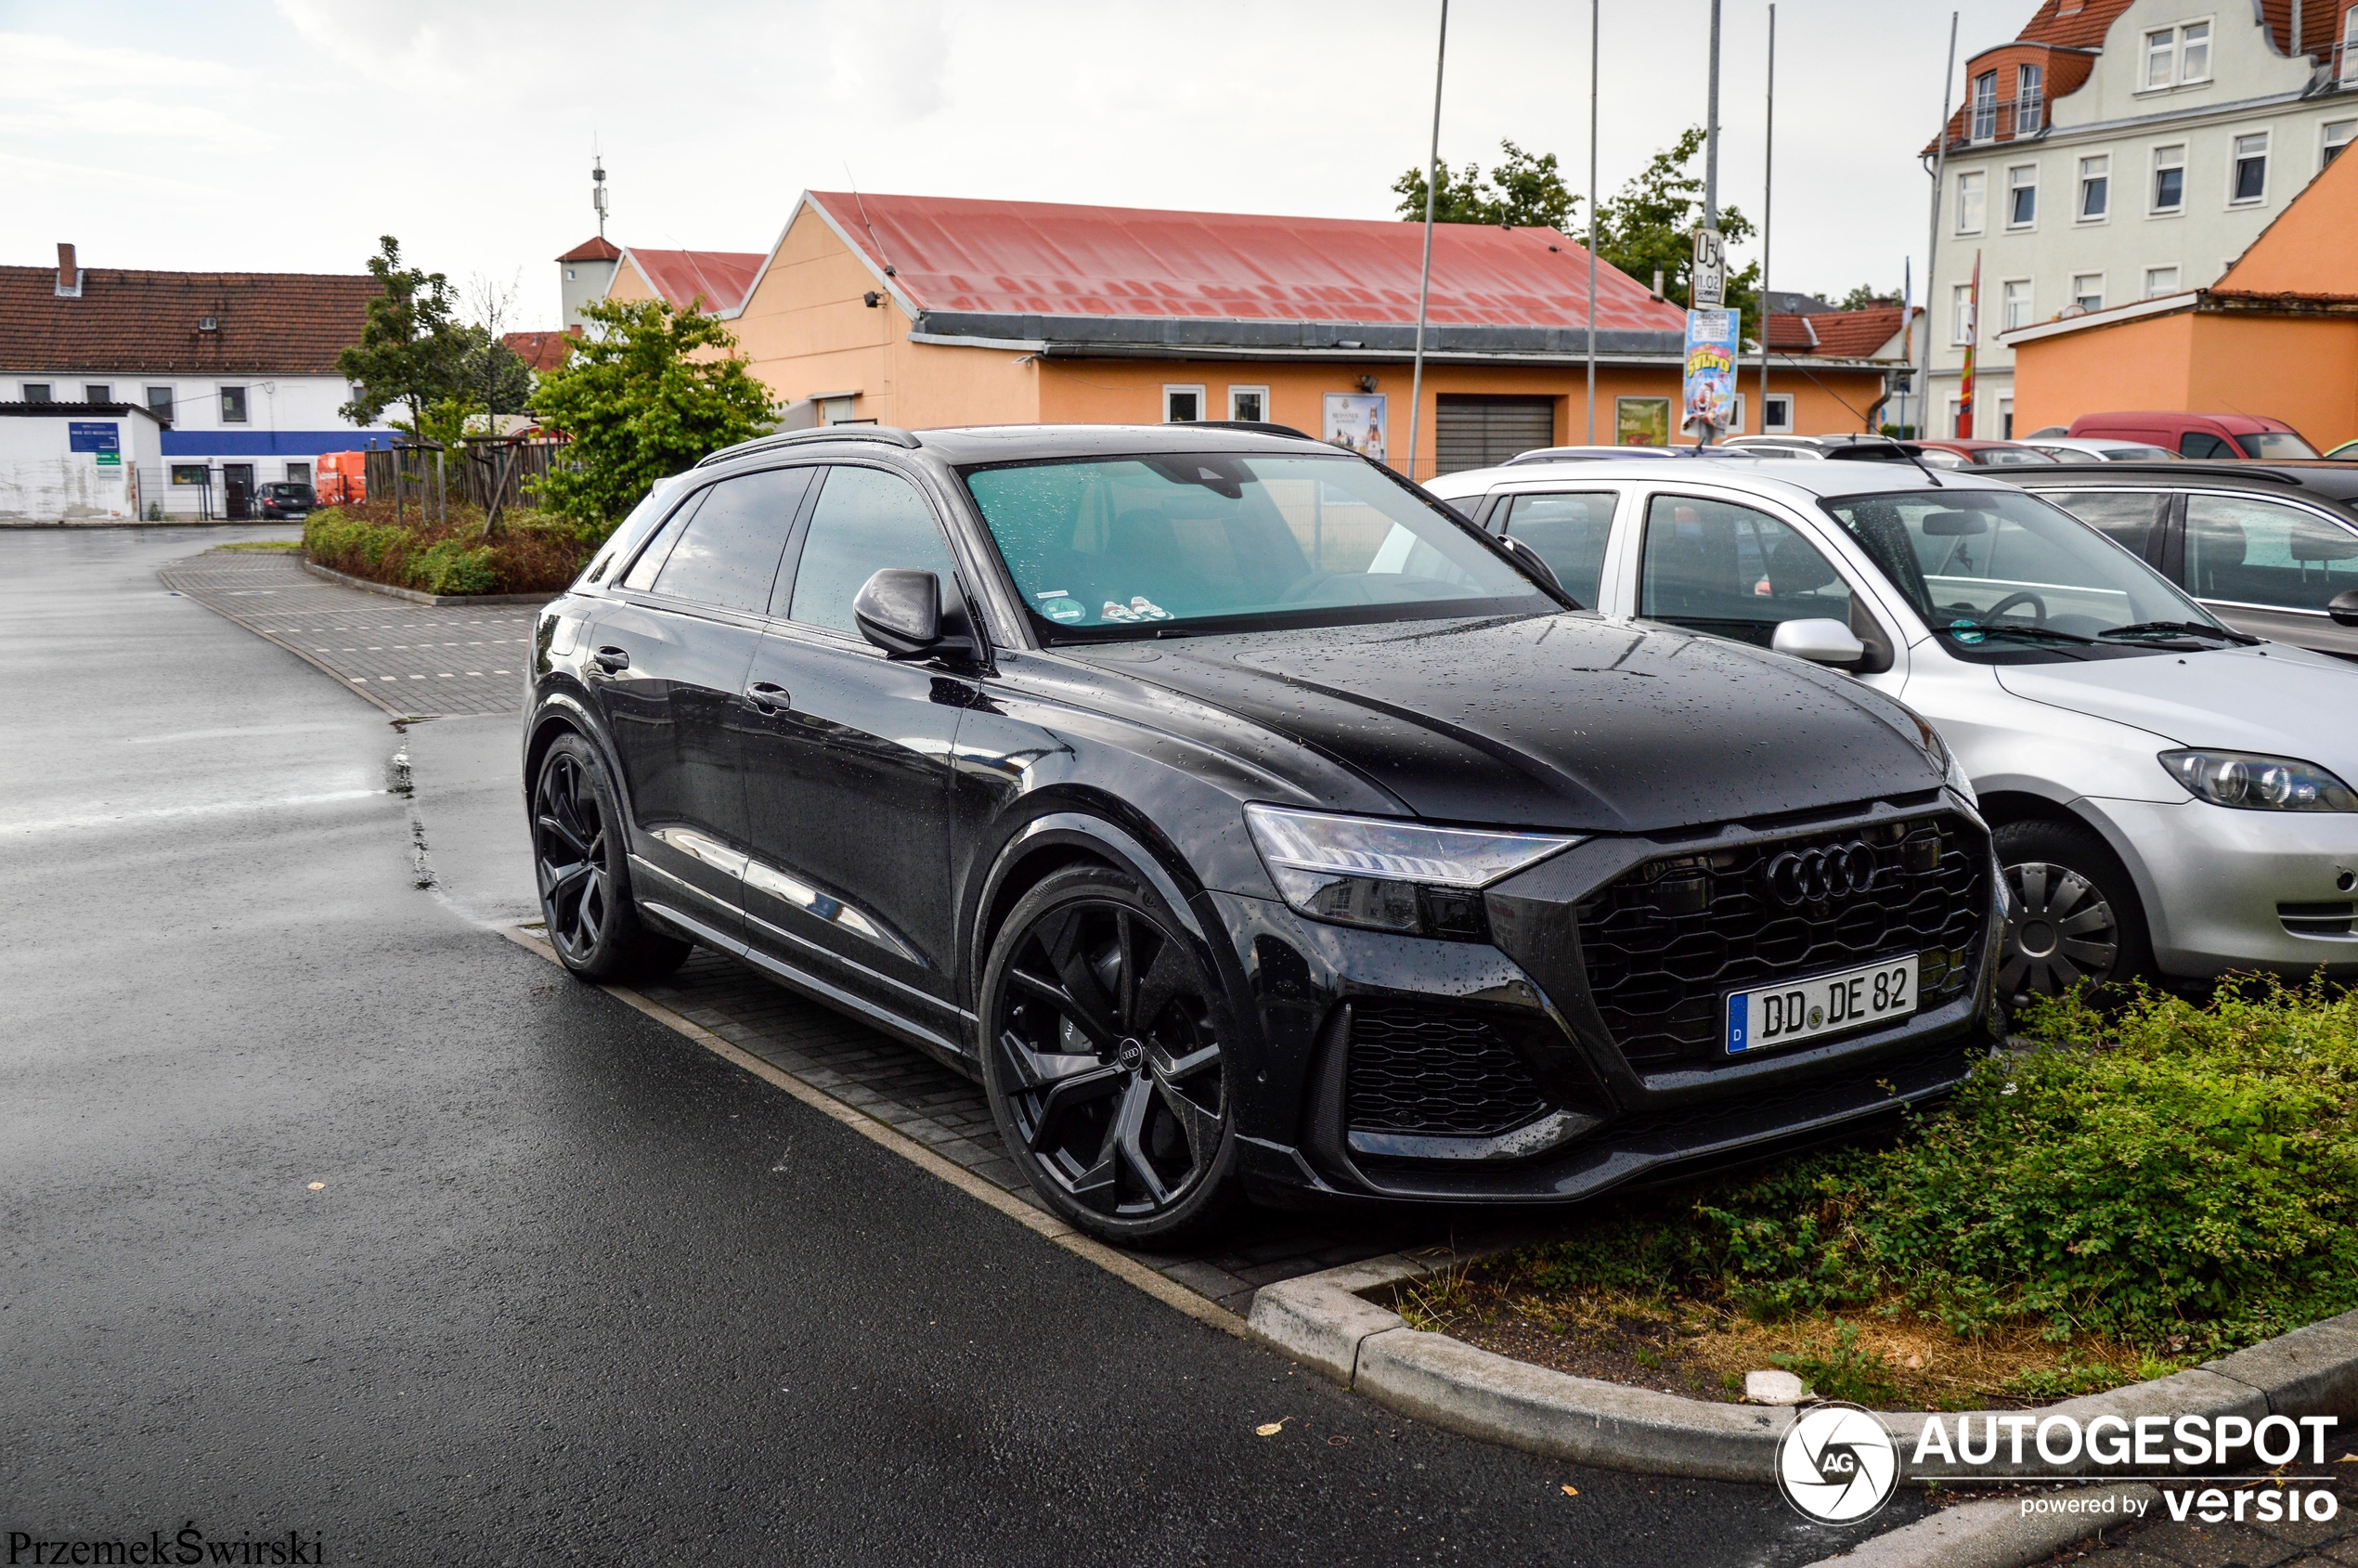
(2170, 795)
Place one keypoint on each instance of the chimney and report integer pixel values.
(69, 275)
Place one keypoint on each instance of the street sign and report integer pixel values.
(1707, 280)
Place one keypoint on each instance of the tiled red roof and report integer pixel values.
(1045, 258)
(1791, 334)
(2075, 24)
(1835, 334)
(720, 278)
(282, 323)
(2320, 24)
(598, 248)
(542, 351)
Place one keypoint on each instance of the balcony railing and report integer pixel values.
(2001, 120)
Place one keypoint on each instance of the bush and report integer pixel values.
(530, 552)
(2180, 1177)
(448, 566)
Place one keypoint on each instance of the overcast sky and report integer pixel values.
(287, 136)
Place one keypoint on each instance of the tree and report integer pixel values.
(495, 378)
(1866, 296)
(644, 394)
(411, 346)
(1522, 192)
(1650, 224)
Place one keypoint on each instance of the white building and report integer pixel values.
(76, 463)
(239, 369)
(2120, 151)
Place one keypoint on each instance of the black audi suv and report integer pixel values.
(1247, 821)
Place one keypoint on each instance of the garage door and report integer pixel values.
(1477, 432)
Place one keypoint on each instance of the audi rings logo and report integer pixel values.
(1813, 876)
(1836, 1464)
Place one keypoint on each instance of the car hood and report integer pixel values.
(2278, 700)
(1564, 722)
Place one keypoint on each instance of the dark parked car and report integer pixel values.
(1248, 822)
(2270, 548)
(284, 499)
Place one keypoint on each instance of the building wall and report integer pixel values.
(2141, 364)
(2300, 370)
(580, 283)
(44, 480)
(2251, 89)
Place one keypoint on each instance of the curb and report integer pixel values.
(165, 577)
(415, 597)
(1322, 1321)
(1990, 1535)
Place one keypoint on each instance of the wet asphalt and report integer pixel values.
(570, 1288)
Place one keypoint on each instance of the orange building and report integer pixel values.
(921, 311)
(2277, 335)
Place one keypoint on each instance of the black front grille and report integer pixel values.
(1665, 942)
(1435, 1072)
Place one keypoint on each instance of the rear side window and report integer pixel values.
(867, 520)
(2202, 443)
(2127, 517)
(1733, 572)
(1570, 530)
(728, 553)
(2250, 551)
(2277, 446)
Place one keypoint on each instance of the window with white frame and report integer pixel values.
(1738, 427)
(159, 403)
(2248, 182)
(1961, 314)
(2194, 52)
(2022, 196)
(2350, 49)
(1250, 403)
(2337, 134)
(36, 392)
(1776, 414)
(2007, 419)
(1985, 108)
(2160, 280)
(1182, 405)
(2030, 95)
(1972, 196)
(233, 405)
(2016, 311)
(2176, 56)
(2095, 188)
(1958, 430)
(2170, 179)
(2088, 291)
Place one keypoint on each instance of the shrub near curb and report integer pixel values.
(445, 558)
(2181, 1179)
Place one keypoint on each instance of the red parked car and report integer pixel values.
(2201, 435)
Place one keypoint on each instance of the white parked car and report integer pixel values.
(2097, 449)
(2168, 796)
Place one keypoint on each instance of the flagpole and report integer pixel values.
(1767, 218)
(1424, 281)
(1932, 242)
(1594, 34)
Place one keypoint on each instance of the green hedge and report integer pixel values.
(2182, 1177)
(387, 553)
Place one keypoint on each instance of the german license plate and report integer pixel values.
(1761, 1020)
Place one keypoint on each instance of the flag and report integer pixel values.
(1973, 336)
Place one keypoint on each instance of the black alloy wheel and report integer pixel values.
(2075, 918)
(578, 860)
(1103, 1059)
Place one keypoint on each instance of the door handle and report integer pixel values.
(767, 696)
(611, 658)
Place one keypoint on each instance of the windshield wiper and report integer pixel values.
(2009, 628)
(2181, 629)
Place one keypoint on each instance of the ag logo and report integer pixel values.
(1836, 1465)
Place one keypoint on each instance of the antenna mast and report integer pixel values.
(598, 190)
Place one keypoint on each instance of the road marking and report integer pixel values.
(1170, 1293)
(108, 819)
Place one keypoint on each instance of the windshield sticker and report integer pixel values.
(1966, 631)
(1147, 609)
(1051, 593)
(1113, 612)
(1063, 608)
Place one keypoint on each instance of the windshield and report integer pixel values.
(1990, 568)
(2011, 457)
(2277, 443)
(1142, 546)
(289, 492)
(2138, 454)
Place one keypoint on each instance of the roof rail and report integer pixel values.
(1259, 427)
(892, 435)
(2182, 468)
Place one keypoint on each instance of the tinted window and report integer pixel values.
(1569, 532)
(2127, 517)
(2261, 552)
(1733, 571)
(2202, 443)
(2276, 445)
(866, 521)
(728, 554)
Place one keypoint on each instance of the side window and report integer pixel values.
(2202, 443)
(2127, 517)
(1734, 572)
(1570, 532)
(867, 520)
(2261, 552)
(729, 554)
(641, 575)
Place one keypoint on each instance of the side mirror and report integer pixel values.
(2343, 607)
(1820, 641)
(899, 611)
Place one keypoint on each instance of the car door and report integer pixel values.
(846, 775)
(1717, 565)
(2269, 567)
(1569, 528)
(670, 656)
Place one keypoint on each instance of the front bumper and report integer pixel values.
(1529, 1068)
(2220, 886)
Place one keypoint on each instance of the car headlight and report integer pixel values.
(2259, 784)
(1388, 875)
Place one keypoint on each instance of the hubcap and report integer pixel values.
(1110, 1065)
(569, 855)
(2064, 931)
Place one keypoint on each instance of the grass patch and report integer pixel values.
(2136, 1193)
(531, 552)
(262, 544)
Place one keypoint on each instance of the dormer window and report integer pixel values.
(208, 324)
(2030, 99)
(1985, 107)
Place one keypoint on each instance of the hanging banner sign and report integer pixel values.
(1707, 279)
(1708, 404)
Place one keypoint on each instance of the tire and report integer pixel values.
(1105, 1056)
(2076, 917)
(581, 862)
